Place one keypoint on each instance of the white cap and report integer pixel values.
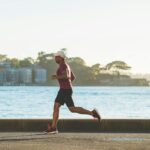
(60, 53)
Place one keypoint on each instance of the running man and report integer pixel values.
(65, 76)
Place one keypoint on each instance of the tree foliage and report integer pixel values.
(27, 62)
(3, 57)
(85, 75)
(118, 65)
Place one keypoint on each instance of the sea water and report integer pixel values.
(111, 102)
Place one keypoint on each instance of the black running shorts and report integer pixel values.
(64, 96)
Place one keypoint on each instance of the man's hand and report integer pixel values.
(54, 77)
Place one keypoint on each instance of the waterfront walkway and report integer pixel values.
(110, 134)
(74, 141)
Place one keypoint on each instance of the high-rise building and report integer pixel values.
(25, 75)
(2, 76)
(40, 75)
(12, 75)
(5, 64)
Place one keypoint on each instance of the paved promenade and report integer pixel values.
(74, 141)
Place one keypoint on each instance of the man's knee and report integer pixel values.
(72, 109)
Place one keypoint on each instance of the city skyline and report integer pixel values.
(97, 31)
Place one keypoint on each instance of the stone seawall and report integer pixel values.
(76, 125)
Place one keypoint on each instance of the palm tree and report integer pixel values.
(117, 66)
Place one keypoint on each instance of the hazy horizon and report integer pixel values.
(97, 31)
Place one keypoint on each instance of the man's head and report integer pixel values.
(59, 57)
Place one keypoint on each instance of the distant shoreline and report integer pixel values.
(78, 85)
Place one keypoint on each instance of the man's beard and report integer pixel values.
(58, 62)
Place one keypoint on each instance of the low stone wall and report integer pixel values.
(76, 125)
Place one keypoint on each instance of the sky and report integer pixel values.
(99, 31)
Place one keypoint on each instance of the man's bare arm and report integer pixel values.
(65, 75)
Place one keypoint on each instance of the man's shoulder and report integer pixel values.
(65, 65)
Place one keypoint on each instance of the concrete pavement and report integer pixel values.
(74, 141)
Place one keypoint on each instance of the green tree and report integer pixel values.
(84, 74)
(27, 62)
(64, 50)
(47, 62)
(43, 59)
(118, 66)
(96, 69)
(3, 57)
(77, 61)
(15, 62)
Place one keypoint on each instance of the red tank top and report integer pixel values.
(64, 83)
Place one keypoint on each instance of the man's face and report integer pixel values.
(58, 59)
